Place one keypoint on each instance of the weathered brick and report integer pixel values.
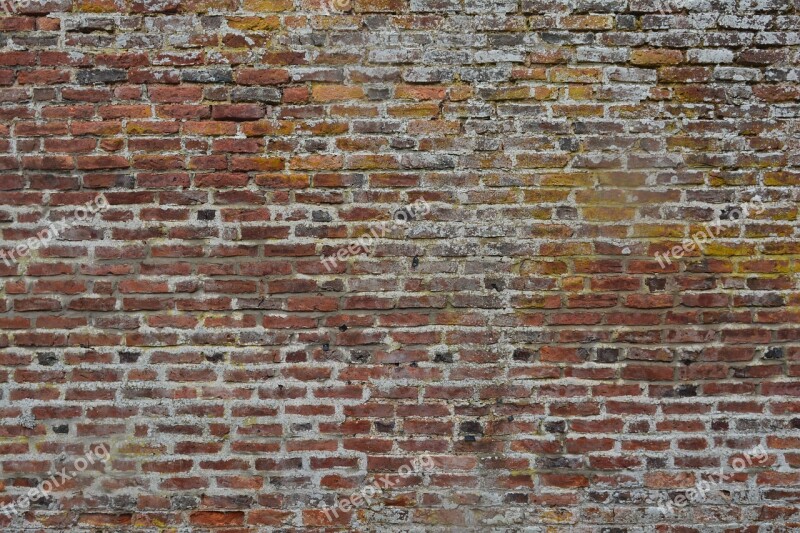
(550, 244)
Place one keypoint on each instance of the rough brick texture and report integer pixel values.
(520, 329)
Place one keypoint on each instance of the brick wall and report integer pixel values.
(269, 253)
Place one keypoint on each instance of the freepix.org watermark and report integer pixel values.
(703, 487)
(365, 495)
(41, 239)
(56, 480)
(363, 243)
(699, 239)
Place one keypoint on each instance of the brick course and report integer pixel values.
(523, 330)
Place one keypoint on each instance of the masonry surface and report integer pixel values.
(561, 262)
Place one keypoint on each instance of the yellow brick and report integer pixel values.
(376, 6)
(567, 180)
(656, 56)
(545, 93)
(509, 93)
(329, 93)
(534, 160)
(722, 249)
(414, 110)
(98, 6)
(781, 178)
(459, 93)
(265, 6)
(580, 92)
(608, 214)
(657, 230)
(579, 110)
(588, 22)
(572, 283)
(562, 249)
(528, 268)
(374, 161)
(254, 23)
